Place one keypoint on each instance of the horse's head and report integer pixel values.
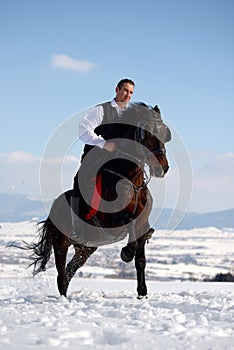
(152, 134)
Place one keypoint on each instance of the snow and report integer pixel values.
(102, 311)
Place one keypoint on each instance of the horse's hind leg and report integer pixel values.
(82, 253)
(60, 244)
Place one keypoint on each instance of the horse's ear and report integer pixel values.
(157, 110)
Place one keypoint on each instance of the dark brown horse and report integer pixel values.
(146, 134)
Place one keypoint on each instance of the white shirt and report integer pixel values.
(90, 121)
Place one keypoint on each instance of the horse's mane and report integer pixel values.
(143, 104)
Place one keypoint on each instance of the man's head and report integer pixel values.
(124, 91)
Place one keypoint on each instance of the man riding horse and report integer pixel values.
(96, 129)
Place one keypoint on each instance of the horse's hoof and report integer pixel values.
(127, 253)
(140, 297)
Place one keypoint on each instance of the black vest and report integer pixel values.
(106, 129)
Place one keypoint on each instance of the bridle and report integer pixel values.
(142, 130)
(140, 135)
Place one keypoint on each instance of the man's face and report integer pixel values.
(124, 93)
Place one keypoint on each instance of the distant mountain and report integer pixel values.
(15, 208)
(170, 219)
(219, 219)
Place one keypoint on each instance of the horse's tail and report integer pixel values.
(42, 249)
(59, 220)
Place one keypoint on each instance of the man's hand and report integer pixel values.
(110, 146)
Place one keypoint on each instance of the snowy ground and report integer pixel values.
(102, 312)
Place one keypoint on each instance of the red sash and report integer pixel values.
(96, 199)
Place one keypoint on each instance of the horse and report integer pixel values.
(147, 135)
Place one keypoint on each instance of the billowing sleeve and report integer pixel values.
(87, 125)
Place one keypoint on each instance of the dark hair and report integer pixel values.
(125, 81)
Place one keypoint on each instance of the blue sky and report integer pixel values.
(60, 57)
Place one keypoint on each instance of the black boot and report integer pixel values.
(128, 252)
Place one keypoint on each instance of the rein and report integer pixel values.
(136, 188)
(148, 178)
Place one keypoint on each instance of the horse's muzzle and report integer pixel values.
(160, 172)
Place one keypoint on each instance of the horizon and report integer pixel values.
(40, 199)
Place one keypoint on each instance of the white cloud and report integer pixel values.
(65, 62)
(19, 156)
(22, 172)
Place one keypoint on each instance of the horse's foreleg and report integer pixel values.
(140, 263)
(82, 253)
(128, 252)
